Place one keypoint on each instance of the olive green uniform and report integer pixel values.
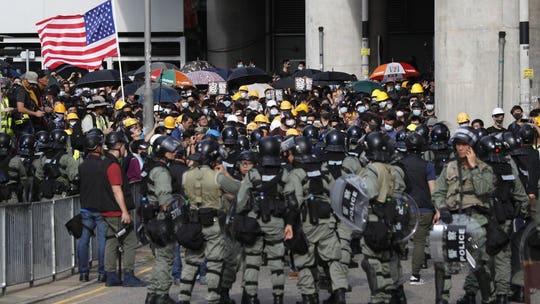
(478, 184)
(204, 188)
(17, 177)
(271, 242)
(69, 171)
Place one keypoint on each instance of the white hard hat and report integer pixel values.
(271, 103)
(497, 111)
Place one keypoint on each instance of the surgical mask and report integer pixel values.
(399, 113)
(343, 110)
(289, 123)
(243, 95)
(388, 127)
(268, 96)
(303, 118)
(416, 112)
(430, 107)
(274, 111)
(59, 116)
(227, 115)
(113, 94)
(185, 105)
(227, 103)
(205, 111)
(166, 111)
(316, 94)
(382, 104)
(62, 93)
(499, 121)
(168, 131)
(389, 106)
(517, 116)
(300, 68)
(361, 109)
(239, 65)
(72, 123)
(397, 87)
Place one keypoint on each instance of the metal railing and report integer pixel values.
(34, 243)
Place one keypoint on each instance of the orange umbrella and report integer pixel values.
(171, 77)
(398, 70)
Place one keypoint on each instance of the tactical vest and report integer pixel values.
(266, 195)
(440, 158)
(202, 188)
(334, 163)
(453, 193)
(415, 180)
(385, 180)
(502, 196)
(148, 186)
(6, 122)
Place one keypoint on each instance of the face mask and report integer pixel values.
(303, 118)
(309, 122)
(300, 68)
(191, 103)
(499, 121)
(72, 123)
(227, 103)
(166, 111)
(62, 93)
(399, 113)
(243, 95)
(361, 109)
(343, 110)
(268, 96)
(389, 106)
(168, 131)
(59, 116)
(113, 94)
(185, 105)
(316, 94)
(397, 87)
(289, 123)
(388, 127)
(239, 65)
(382, 104)
(274, 111)
(517, 116)
(430, 107)
(144, 155)
(416, 112)
(227, 115)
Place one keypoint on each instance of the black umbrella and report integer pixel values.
(65, 70)
(4, 65)
(284, 83)
(101, 78)
(247, 75)
(337, 77)
(131, 88)
(306, 72)
(154, 66)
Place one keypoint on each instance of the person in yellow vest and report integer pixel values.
(76, 137)
(5, 113)
(96, 118)
(27, 105)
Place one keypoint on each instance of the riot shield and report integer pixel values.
(530, 257)
(457, 243)
(406, 217)
(350, 202)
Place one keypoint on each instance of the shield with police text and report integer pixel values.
(406, 217)
(530, 258)
(350, 202)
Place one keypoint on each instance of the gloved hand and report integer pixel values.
(446, 216)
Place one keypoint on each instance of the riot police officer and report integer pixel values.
(439, 153)
(307, 194)
(27, 146)
(204, 187)
(229, 135)
(463, 187)
(261, 195)
(12, 172)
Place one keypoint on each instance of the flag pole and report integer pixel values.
(118, 51)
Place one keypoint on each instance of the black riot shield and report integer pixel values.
(350, 202)
(530, 258)
(405, 218)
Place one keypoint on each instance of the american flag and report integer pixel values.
(80, 40)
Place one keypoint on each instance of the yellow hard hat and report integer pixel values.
(72, 116)
(168, 122)
(404, 84)
(179, 118)
(243, 88)
(411, 127)
(236, 96)
(285, 105)
(130, 122)
(60, 108)
(463, 117)
(292, 131)
(417, 89)
(302, 107)
(375, 93)
(382, 96)
(119, 104)
(253, 93)
(251, 126)
(294, 113)
(261, 118)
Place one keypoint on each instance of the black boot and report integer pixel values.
(398, 296)
(150, 298)
(340, 296)
(278, 299)
(330, 299)
(502, 299)
(517, 294)
(468, 298)
(164, 299)
(249, 299)
(309, 299)
(225, 298)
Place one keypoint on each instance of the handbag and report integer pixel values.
(75, 226)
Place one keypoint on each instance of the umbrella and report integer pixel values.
(399, 70)
(65, 70)
(197, 65)
(101, 78)
(366, 86)
(160, 93)
(171, 77)
(247, 75)
(259, 88)
(203, 77)
(155, 66)
(4, 65)
(224, 73)
(306, 72)
(284, 83)
(333, 77)
(132, 88)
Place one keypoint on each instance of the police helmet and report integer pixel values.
(139, 144)
(92, 139)
(423, 131)
(354, 134)
(527, 133)
(439, 135)
(27, 145)
(59, 138)
(114, 138)
(43, 140)
(229, 136)
(481, 132)
(5, 144)
(311, 132)
(302, 149)
(269, 151)
(209, 151)
(378, 147)
(335, 141)
(464, 135)
(511, 142)
(164, 144)
(414, 142)
(255, 136)
(491, 149)
(243, 142)
(248, 155)
(400, 137)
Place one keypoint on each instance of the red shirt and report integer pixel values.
(114, 174)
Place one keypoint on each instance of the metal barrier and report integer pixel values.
(34, 243)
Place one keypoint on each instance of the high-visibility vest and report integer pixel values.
(6, 120)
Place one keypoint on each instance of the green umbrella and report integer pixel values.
(366, 86)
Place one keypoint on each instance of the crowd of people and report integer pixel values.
(240, 181)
